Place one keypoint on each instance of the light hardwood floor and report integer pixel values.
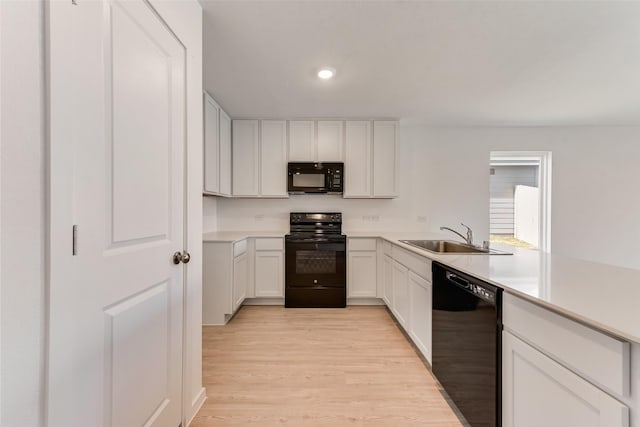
(272, 366)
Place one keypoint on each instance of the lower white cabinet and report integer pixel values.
(225, 280)
(537, 391)
(420, 292)
(387, 274)
(269, 267)
(401, 306)
(240, 279)
(362, 261)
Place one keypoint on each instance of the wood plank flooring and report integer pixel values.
(272, 366)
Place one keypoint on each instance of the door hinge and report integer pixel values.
(74, 249)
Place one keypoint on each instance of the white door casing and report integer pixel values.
(117, 106)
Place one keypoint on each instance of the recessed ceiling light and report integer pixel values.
(326, 73)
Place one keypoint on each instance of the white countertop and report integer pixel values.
(603, 296)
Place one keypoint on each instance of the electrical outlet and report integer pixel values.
(375, 218)
(422, 218)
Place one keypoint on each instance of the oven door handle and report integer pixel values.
(453, 278)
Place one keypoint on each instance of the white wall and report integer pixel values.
(444, 177)
(22, 203)
(209, 214)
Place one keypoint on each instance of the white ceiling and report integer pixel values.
(435, 62)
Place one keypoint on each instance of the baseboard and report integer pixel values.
(264, 301)
(196, 404)
(365, 301)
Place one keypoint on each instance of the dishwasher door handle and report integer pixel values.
(463, 283)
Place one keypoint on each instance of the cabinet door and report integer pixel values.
(211, 145)
(269, 274)
(537, 391)
(240, 279)
(401, 294)
(225, 154)
(273, 158)
(330, 138)
(384, 172)
(388, 281)
(357, 160)
(362, 274)
(420, 309)
(302, 141)
(245, 158)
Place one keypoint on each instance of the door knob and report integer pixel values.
(184, 257)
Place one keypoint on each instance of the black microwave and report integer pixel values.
(315, 178)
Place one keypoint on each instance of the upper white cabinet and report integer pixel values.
(330, 141)
(259, 158)
(371, 159)
(316, 141)
(225, 154)
(217, 149)
(245, 158)
(273, 158)
(385, 162)
(357, 162)
(302, 141)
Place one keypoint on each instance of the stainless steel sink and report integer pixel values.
(449, 247)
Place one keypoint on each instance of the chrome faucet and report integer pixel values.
(468, 239)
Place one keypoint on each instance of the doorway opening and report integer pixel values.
(520, 199)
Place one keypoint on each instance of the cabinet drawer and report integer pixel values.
(269, 244)
(598, 357)
(239, 247)
(360, 244)
(419, 265)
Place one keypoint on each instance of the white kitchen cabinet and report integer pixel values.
(385, 159)
(362, 261)
(225, 280)
(273, 158)
(401, 305)
(302, 141)
(537, 391)
(211, 145)
(357, 160)
(217, 149)
(245, 158)
(420, 292)
(225, 154)
(330, 142)
(259, 158)
(371, 161)
(269, 267)
(387, 274)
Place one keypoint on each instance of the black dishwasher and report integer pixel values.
(467, 345)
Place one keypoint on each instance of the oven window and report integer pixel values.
(308, 180)
(315, 262)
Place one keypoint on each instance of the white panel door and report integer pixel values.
(420, 301)
(273, 158)
(388, 280)
(302, 141)
(117, 170)
(330, 141)
(357, 160)
(245, 157)
(385, 160)
(362, 274)
(537, 391)
(225, 154)
(269, 274)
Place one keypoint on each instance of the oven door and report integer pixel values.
(315, 264)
